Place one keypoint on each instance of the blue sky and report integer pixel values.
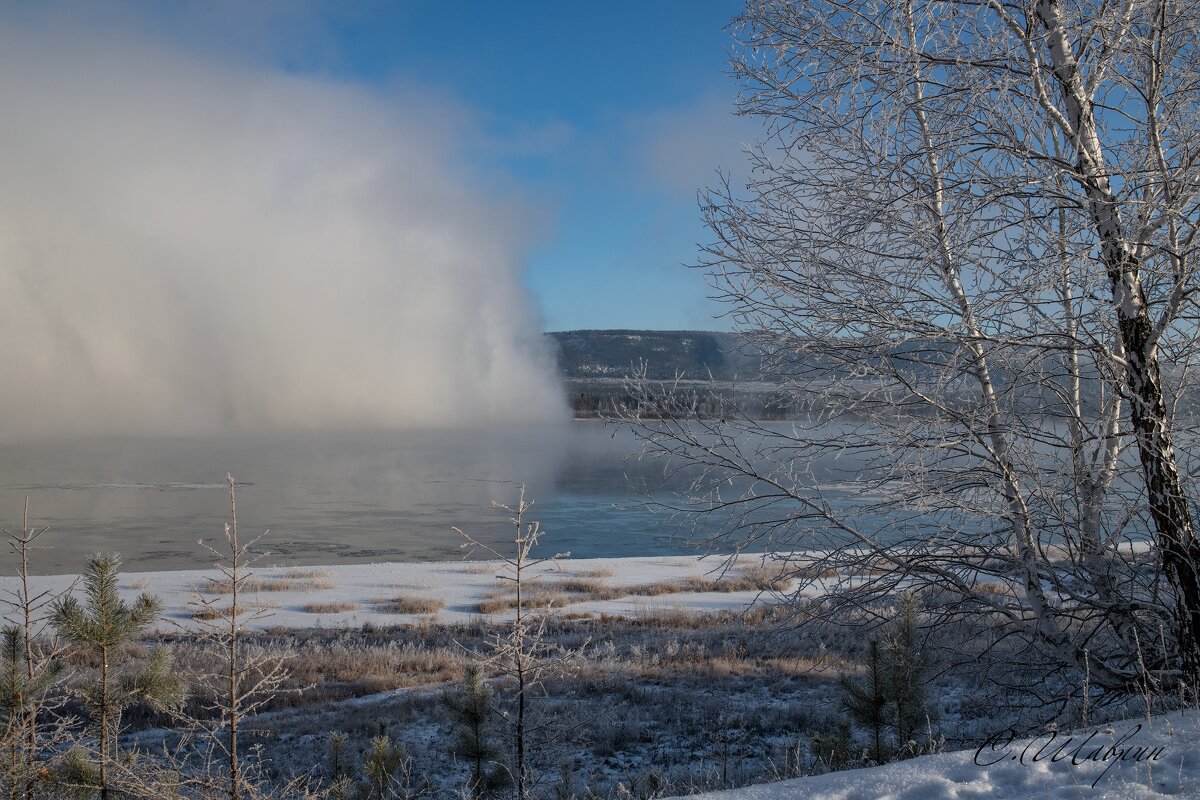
(605, 118)
(593, 89)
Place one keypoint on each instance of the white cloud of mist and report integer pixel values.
(188, 246)
(682, 148)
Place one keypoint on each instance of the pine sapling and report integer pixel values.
(102, 628)
(892, 697)
(20, 698)
(388, 772)
(564, 787)
(380, 765)
(907, 669)
(866, 702)
(472, 711)
(833, 750)
(338, 767)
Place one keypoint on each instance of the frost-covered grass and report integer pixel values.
(578, 587)
(408, 604)
(255, 585)
(690, 689)
(651, 694)
(676, 703)
(332, 607)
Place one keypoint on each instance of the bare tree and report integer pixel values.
(522, 653)
(31, 667)
(968, 243)
(242, 682)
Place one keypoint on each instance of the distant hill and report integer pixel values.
(694, 354)
(593, 364)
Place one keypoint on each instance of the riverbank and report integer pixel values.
(449, 592)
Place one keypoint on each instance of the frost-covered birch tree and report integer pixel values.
(968, 243)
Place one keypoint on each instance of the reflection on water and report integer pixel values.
(326, 497)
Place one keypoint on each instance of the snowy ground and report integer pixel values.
(458, 586)
(1105, 763)
(1137, 758)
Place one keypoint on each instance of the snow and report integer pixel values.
(459, 585)
(1151, 757)
(1139, 758)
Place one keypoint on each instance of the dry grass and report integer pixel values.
(692, 583)
(254, 584)
(494, 604)
(661, 644)
(601, 572)
(209, 613)
(828, 665)
(139, 585)
(578, 589)
(287, 585)
(702, 666)
(749, 579)
(482, 568)
(812, 572)
(335, 607)
(594, 588)
(357, 669)
(537, 597)
(408, 604)
(417, 585)
(764, 578)
(298, 573)
(733, 665)
(991, 587)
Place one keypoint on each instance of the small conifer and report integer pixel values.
(380, 767)
(102, 628)
(892, 697)
(833, 750)
(866, 702)
(471, 710)
(907, 671)
(20, 696)
(339, 768)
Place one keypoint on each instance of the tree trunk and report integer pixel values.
(522, 787)
(1147, 405)
(104, 712)
(27, 607)
(235, 788)
(477, 779)
(876, 696)
(15, 767)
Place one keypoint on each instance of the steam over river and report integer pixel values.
(383, 496)
(329, 498)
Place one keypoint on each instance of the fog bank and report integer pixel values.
(189, 246)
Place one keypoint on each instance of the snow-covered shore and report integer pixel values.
(1104, 762)
(295, 597)
(1135, 759)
